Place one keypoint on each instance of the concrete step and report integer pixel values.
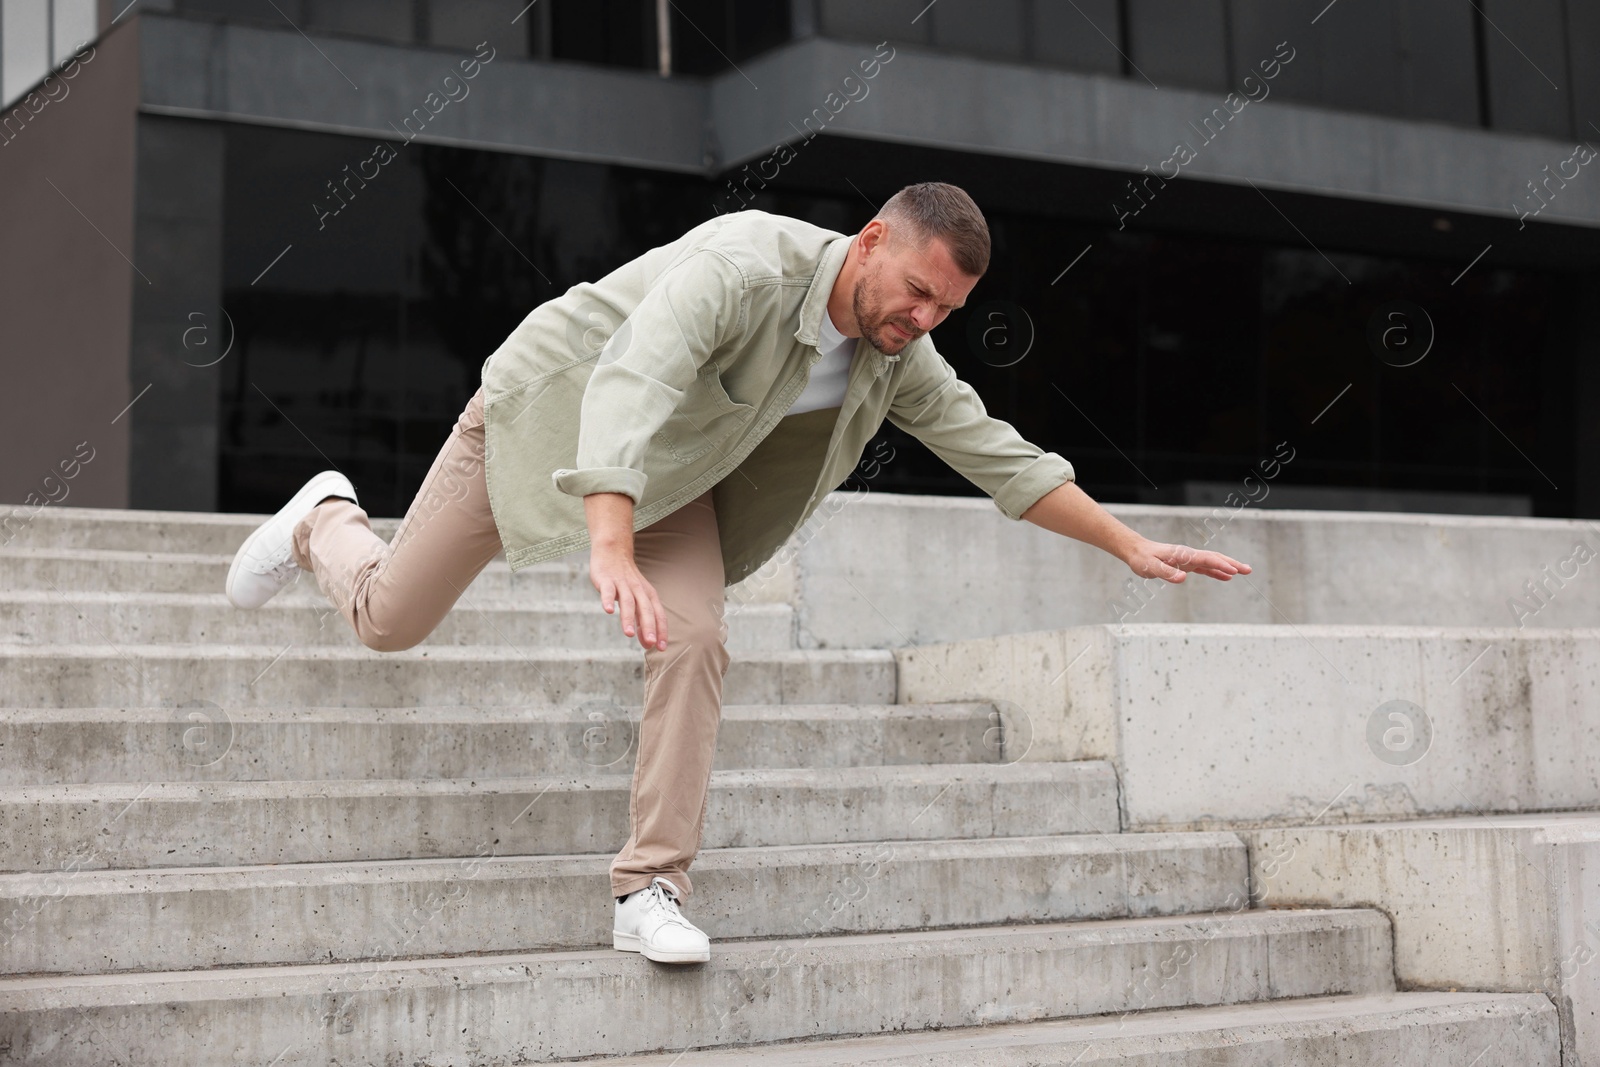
(114, 674)
(93, 922)
(545, 1006)
(54, 746)
(48, 617)
(1332, 723)
(1408, 1029)
(133, 571)
(130, 530)
(1505, 901)
(98, 570)
(173, 824)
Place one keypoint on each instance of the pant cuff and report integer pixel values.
(642, 881)
(300, 541)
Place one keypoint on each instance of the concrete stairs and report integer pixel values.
(48, 617)
(243, 838)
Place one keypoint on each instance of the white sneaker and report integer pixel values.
(264, 564)
(648, 921)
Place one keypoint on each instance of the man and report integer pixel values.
(707, 395)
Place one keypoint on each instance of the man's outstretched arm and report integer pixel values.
(1069, 511)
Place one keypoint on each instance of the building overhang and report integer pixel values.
(919, 98)
(935, 99)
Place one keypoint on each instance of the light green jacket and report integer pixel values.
(660, 378)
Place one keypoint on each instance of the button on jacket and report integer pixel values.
(659, 379)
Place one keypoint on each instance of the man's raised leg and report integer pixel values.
(392, 595)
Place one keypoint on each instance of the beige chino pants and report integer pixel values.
(393, 595)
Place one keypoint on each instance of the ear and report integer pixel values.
(873, 235)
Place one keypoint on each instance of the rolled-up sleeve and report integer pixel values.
(643, 369)
(947, 415)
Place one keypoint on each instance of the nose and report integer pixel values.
(922, 318)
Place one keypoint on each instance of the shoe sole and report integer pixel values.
(315, 485)
(632, 943)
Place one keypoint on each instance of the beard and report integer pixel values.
(874, 324)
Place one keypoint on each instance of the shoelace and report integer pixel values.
(665, 906)
(281, 570)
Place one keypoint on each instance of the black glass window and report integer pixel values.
(616, 32)
(367, 287)
(708, 35)
(368, 281)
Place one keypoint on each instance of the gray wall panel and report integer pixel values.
(1583, 46)
(1355, 49)
(1440, 68)
(880, 20)
(1258, 25)
(1183, 42)
(1406, 58)
(803, 16)
(1527, 61)
(992, 28)
(464, 23)
(387, 20)
(1346, 53)
(1084, 35)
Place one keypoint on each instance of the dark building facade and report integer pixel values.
(261, 241)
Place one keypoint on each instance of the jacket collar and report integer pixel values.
(815, 305)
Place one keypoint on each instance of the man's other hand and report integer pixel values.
(614, 573)
(1152, 559)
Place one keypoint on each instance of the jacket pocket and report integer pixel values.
(707, 416)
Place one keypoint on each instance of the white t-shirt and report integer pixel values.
(831, 373)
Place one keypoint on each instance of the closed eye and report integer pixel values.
(920, 291)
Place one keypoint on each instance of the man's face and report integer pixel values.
(904, 291)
